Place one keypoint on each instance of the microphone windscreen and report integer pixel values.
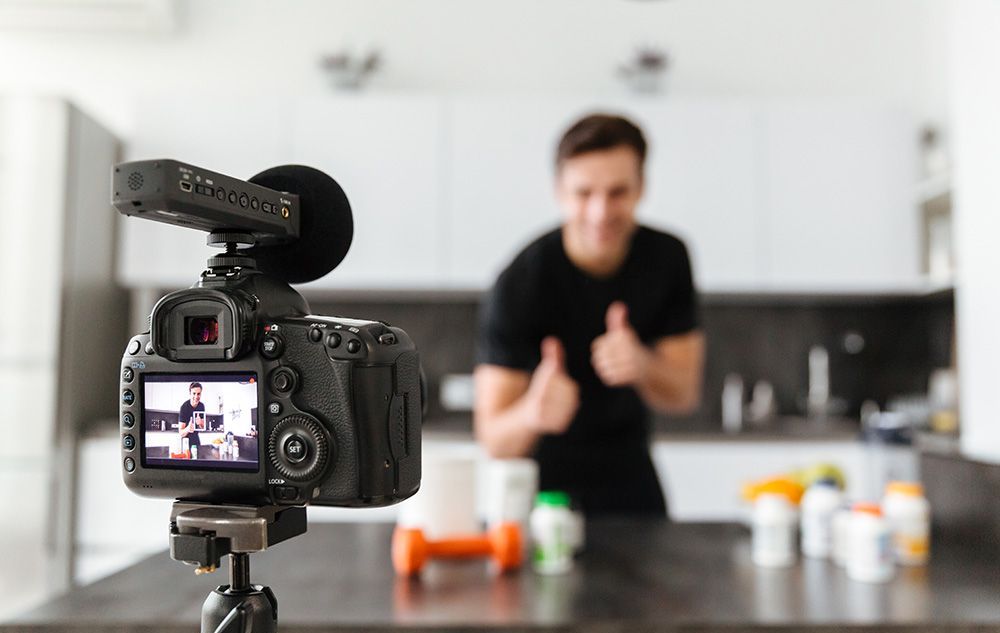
(326, 226)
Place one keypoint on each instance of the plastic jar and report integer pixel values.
(774, 523)
(909, 516)
(819, 504)
(553, 532)
(869, 552)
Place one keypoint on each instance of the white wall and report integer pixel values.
(891, 49)
(976, 125)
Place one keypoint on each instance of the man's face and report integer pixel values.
(195, 396)
(598, 192)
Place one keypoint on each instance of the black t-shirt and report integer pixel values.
(542, 293)
(184, 417)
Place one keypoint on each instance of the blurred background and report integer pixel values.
(831, 165)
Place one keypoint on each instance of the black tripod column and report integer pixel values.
(240, 607)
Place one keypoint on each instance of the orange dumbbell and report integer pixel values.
(410, 550)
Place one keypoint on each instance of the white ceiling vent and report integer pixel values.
(145, 16)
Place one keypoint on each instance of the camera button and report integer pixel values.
(134, 347)
(333, 340)
(128, 420)
(296, 449)
(283, 381)
(286, 493)
(274, 408)
(271, 347)
(353, 346)
(315, 334)
(128, 442)
(128, 374)
(129, 465)
(128, 398)
(387, 339)
(149, 347)
(220, 194)
(244, 200)
(232, 197)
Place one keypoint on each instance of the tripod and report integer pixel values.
(201, 534)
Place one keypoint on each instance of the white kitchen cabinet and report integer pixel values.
(838, 205)
(703, 480)
(501, 186)
(386, 152)
(702, 181)
(445, 191)
(239, 137)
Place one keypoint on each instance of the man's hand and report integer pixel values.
(618, 356)
(553, 397)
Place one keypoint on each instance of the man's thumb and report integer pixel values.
(617, 316)
(552, 352)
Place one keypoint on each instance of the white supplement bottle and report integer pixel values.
(553, 533)
(909, 516)
(774, 523)
(819, 504)
(869, 551)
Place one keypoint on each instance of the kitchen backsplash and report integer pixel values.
(879, 346)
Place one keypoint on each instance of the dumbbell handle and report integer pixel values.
(465, 546)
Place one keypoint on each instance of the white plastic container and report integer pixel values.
(819, 504)
(909, 516)
(869, 554)
(774, 524)
(553, 532)
(840, 528)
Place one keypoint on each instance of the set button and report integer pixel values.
(296, 449)
(128, 398)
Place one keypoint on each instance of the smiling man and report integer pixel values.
(588, 329)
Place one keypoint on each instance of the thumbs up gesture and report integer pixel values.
(553, 396)
(618, 356)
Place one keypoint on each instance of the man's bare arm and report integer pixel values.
(514, 408)
(500, 416)
(673, 377)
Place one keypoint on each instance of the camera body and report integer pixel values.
(237, 394)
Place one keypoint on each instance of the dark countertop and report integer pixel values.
(635, 576)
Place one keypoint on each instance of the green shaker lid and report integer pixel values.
(552, 498)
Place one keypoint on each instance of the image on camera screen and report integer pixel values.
(206, 421)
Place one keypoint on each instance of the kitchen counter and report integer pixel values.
(634, 576)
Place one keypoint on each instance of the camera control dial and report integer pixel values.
(299, 448)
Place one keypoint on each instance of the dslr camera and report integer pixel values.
(237, 393)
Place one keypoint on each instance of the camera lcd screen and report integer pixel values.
(200, 421)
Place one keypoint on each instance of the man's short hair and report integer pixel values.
(195, 384)
(596, 132)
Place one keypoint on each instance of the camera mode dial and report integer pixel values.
(299, 448)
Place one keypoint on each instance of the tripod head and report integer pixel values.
(201, 534)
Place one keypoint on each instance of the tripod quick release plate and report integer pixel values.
(201, 534)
